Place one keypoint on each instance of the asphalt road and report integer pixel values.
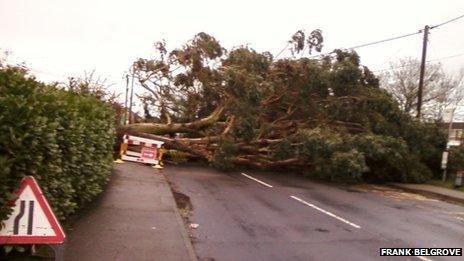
(288, 217)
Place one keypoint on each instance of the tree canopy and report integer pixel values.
(324, 117)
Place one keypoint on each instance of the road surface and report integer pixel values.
(279, 216)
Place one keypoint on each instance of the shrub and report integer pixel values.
(63, 139)
(427, 141)
(456, 159)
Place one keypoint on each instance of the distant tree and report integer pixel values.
(88, 84)
(92, 85)
(6, 63)
(441, 90)
(3, 58)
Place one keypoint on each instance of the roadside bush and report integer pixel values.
(456, 159)
(63, 139)
(427, 141)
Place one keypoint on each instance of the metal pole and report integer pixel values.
(58, 249)
(422, 71)
(131, 95)
(126, 111)
(447, 142)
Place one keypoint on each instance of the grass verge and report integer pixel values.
(445, 184)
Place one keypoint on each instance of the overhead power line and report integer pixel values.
(447, 22)
(446, 57)
(406, 35)
(373, 43)
(384, 40)
(285, 48)
(415, 64)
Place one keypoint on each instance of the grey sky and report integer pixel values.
(61, 38)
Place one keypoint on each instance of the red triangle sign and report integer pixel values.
(32, 220)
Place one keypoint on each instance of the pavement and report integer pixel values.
(135, 219)
(434, 191)
(281, 216)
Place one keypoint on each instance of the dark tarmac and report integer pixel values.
(242, 219)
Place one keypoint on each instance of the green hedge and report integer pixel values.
(455, 161)
(63, 139)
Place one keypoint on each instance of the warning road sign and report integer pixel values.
(32, 220)
(148, 153)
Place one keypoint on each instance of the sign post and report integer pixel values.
(32, 220)
(444, 163)
(459, 178)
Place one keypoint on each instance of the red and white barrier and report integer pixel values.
(148, 154)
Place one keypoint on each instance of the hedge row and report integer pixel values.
(63, 139)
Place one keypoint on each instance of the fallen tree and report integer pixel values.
(325, 117)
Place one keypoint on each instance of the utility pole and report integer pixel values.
(422, 71)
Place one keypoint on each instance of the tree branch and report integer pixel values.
(160, 129)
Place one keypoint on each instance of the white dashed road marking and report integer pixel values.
(326, 212)
(257, 180)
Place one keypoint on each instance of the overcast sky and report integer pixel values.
(61, 38)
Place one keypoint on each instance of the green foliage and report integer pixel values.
(63, 139)
(326, 117)
(249, 60)
(386, 156)
(427, 141)
(456, 159)
(417, 171)
(300, 42)
(223, 155)
(175, 157)
(282, 150)
(329, 157)
(245, 128)
(347, 166)
(317, 144)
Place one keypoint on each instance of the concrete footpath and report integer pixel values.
(434, 191)
(136, 219)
